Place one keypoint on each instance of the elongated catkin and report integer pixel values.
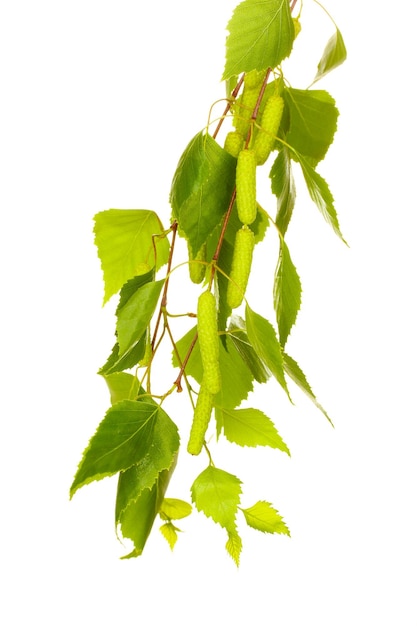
(208, 339)
(241, 266)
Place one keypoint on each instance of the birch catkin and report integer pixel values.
(208, 339)
(241, 266)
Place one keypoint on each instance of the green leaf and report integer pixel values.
(172, 508)
(321, 195)
(136, 520)
(262, 516)
(122, 386)
(169, 531)
(217, 494)
(313, 121)
(134, 317)
(334, 55)
(129, 242)
(297, 375)
(282, 185)
(251, 427)
(287, 293)
(262, 336)
(234, 546)
(119, 363)
(237, 379)
(240, 341)
(201, 189)
(122, 439)
(160, 456)
(261, 35)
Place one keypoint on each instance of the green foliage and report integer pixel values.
(232, 350)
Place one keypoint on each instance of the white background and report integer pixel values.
(98, 101)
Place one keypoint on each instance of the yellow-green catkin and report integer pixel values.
(196, 264)
(241, 266)
(201, 420)
(208, 339)
(243, 110)
(246, 186)
(270, 121)
(233, 143)
(254, 79)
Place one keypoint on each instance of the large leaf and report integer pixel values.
(201, 189)
(334, 55)
(313, 121)
(261, 35)
(262, 516)
(297, 375)
(141, 488)
(136, 520)
(134, 317)
(122, 439)
(251, 427)
(321, 195)
(262, 337)
(283, 186)
(129, 242)
(287, 293)
(217, 494)
(163, 447)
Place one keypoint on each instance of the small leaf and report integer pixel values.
(234, 546)
(251, 427)
(240, 341)
(297, 375)
(262, 516)
(119, 363)
(134, 317)
(172, 508)
(321, 195)
(282, 185)
(169, 531)
(261, 35)
(129, 242)
(334, 55)
(122, 439)
(122, 386)
(287, 293)
(262, 337)
(217, 494)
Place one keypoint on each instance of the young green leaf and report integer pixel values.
(262, 337)
(122, 386)
(173, 508)
(170, 532)
(129, 242)
(217, 494)
(262, 516)
(334, 55)
(119, 362)
(122, 439)
(321, 195)
(282, 185)
(250, 427)
(261, 35)
(134, 317)
(287, 293)
(313, 121)
(297, 375)
(234, 546)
